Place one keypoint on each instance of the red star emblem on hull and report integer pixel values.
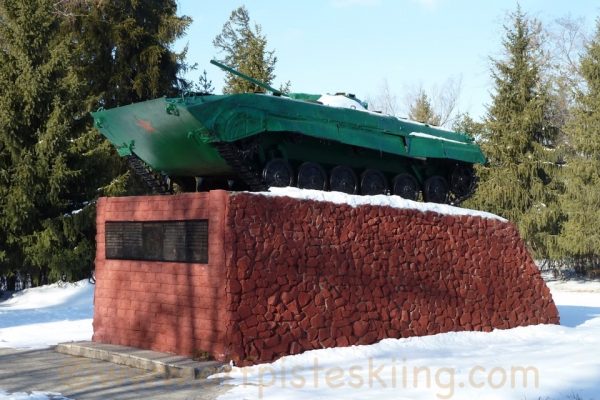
(145, 125)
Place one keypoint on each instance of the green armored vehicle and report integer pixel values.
(254, 141)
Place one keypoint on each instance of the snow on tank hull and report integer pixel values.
(260, 140)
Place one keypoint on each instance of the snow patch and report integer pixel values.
(379, 200)
(427, 136)
(31, 396)
(574, 286)
(441, 128)
(47, 315)
(341, 101)
(61, 293)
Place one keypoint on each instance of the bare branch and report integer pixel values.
(385, 101)
(442, 100)
(445, 100)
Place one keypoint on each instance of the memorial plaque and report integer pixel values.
(178, 241)
(197, 241)
(174, 242)
(123, 240)
(152, 239)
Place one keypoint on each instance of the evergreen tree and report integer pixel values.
(464, 123)
(244, 48)
(204, 84)
(57, 65)
(37, 105)
(580, 238)
(126, 49)
(519, 183)
(422, 111)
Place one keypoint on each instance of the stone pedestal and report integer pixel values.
(285, 276)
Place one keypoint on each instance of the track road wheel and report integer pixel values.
(343, 179)
(436, 190)
(462, 180)
(312, 176)
(278, 173)
(373, 182)
(405, 186)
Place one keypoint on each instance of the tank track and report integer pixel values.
(159, 184)
(456, 201)
(241, 162)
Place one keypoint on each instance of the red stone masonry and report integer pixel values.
(286, 276)
(163, 306)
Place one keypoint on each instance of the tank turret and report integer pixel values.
(253, 141)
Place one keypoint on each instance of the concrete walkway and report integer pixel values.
(84, 378)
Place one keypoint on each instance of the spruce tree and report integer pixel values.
(580, 238)
(244, 48)
(464, 123)
(125, 57)
(422, 111)
(519, 182)
(204, 84)
(37, 108)
(126, 49)
(57, 65)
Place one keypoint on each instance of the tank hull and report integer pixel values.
(199, 136)
(165, 140)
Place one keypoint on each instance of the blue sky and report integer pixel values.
(327, 46)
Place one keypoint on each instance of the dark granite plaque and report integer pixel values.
(178, 241)
(197, 241)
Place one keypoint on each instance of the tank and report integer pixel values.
(253, 141)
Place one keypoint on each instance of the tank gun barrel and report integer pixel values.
(246, 77)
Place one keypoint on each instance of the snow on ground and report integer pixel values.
(31, 396)
(534, 362)
(47, 315)
(379, 200)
